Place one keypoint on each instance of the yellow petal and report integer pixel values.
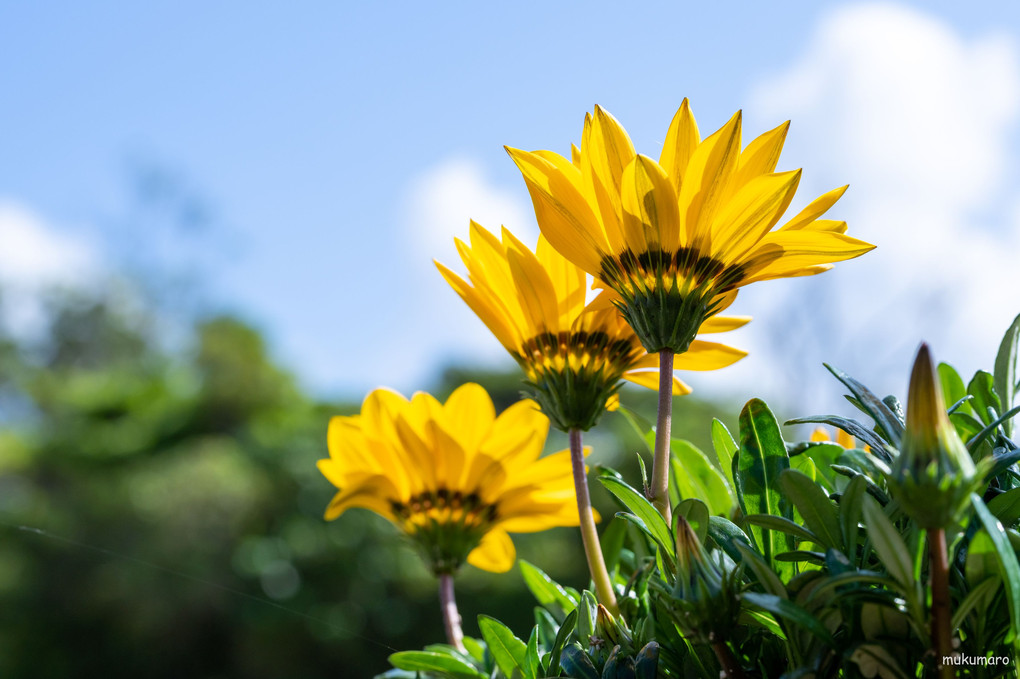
(534, 289)
(650, 218)
(469, 414)
(568, 280)
(650, 380)
(601, 185)
(706, 182)
(681, 140)
(802, 251)
(373, 493)
(762, 154)
(704, 355)
(815, 209)
(494, 320)
(723, 324)
(495, 553)
(751, 213)
(562, 212)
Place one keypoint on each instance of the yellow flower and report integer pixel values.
(452, 476)
(843, 439)
(573, 354)
(676, 238)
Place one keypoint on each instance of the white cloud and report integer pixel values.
(922, 122)
(35, 258)
(437, 207)
(445, 197)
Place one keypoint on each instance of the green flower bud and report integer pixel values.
(703, 601)
(934, 475)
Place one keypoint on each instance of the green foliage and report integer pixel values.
(792, 560)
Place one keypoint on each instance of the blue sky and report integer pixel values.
(337, 149)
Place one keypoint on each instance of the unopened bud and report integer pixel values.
(933, 476)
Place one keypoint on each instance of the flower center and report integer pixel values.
(446, 525)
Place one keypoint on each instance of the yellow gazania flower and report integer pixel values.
(677, 237)
(573, 354)
(452, 476)
(843, 439)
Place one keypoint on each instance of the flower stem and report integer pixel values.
(589, 536)
(659, 490)
(942, 635)
(731, 669)
(451, 616)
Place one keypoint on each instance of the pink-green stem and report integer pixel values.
(589, 536)
(451, 616)
(659, 490)
(941, 616)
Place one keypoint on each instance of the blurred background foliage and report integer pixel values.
(161, 512)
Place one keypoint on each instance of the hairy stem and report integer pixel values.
(660, 463)
(731, 669)
(590, 537)
(451, 616)
(941, 617)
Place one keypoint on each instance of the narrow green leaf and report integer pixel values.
(953, 389)
(547, 591)
(1006, 507)
(884, 417)
(641, 426)
(766, 577)
(790, 611)
(1007, 560)
(782, 525)
(696, 513)
(727, 535)
(888, 544)
(532, 664)
(851, 504)
(978, 597)
(587, 613)
(697, 478)
(566, 629)
(982, 388)
(430, 661)
(643, 509)
(852, 427)
(760, 460)
(612, 542)
(820, 515)
(507, 650)
(725, 448)
(1005, 377)
(974, 442)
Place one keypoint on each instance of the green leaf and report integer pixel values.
(430, 661)
(547, 591)
(507, 650)
(725, 448)
(852, 427)
(532, 664)
(1006, 507)
(790, 611)
(884, 417)
(889, 545)
(979, 597)
(643, 509)
(696, 513)
(766, 577)
(953, 389)
(577, 664)
(696, 477)
(851, 505)
(727, 535)
(760, 460)
(1007, 560)
(820, 515)
(976, 440)
(641, 426)
(561, 638)
(982, 388)
(587, 614)
(612, 542)
(782, 525)
(1005, 368)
